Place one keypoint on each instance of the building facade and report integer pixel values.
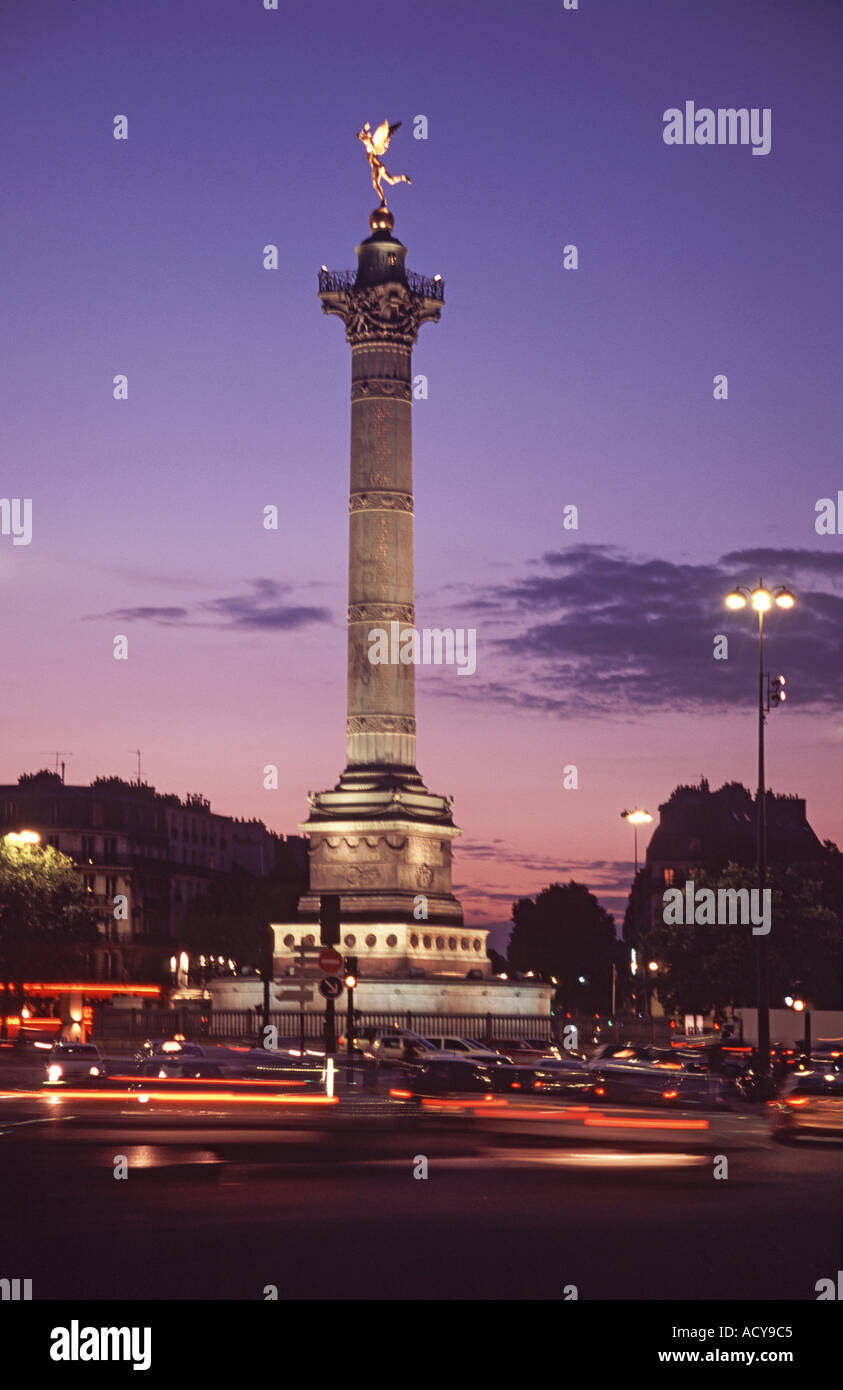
(157, 852)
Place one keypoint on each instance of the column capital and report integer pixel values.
(390, 313)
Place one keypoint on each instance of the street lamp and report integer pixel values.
(770, 693)
(22, 837)
(636, 818)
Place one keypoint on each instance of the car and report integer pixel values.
(523, 1049)
(466, 1047)
(567, 1077)
(73, 1062)
(652, 1085)
(810, 1104)
(164, 1067)
(162, 1047)
(445, 1076)
(395, 1045)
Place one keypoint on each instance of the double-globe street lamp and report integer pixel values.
(770, 693)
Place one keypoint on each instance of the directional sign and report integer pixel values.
(330, 961)
(330, 987)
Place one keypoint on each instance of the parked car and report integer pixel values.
(809, 1104)
(524, 1049)
(73, 1062)
(397, 1045)
(465, 1046)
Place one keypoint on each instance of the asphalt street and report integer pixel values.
(328, 1205)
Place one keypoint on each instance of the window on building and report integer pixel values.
(669, 876)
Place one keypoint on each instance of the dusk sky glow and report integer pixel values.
(547, 388)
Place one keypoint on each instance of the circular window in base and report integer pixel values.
(452, 943)
(308, 941)
(350, 940)
(289, 940)
(426, 942)
(392, 941)
(440, 943)
(414, 941)
(371, 940)
(477, 944)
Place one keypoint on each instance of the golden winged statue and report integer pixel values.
(376, 143)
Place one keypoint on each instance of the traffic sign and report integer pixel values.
(330, 961)
(330, 987)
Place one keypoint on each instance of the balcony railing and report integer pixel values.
(341, 281)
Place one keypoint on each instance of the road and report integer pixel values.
(217, 1206)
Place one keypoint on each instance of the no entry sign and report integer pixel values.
(330, 961)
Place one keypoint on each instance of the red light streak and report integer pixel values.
(630, 1122)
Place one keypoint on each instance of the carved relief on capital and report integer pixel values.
(381, 500)
(388, 312)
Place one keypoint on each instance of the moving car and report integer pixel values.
(74, 1062)
(810, 1104)
(441, 1075)
(163, 1047)
(163, 1067)
(631, 1074)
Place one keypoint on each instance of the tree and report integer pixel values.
(231, 918)
(46, 917)
(710, 967)
(566, 934)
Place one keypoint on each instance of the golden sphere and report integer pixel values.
(381, 220)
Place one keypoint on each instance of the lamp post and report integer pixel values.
(635, 818)
(769, 694)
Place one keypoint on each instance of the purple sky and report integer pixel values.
(546, 387)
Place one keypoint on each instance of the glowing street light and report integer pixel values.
(22, 837)
(635, 818)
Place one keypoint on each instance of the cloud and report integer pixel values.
(263, 609)
(594, 630)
